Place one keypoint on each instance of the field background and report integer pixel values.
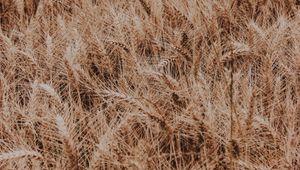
(140, 84)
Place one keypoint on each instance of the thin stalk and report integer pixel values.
(231, 112)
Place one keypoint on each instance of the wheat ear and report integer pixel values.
(69, 146)
(16, 154)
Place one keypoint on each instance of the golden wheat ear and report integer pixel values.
(69, 145)
(17, 154)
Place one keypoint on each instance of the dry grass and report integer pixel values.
(140, 84)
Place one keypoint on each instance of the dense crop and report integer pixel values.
(141, 84)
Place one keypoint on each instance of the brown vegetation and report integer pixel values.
(140, 84)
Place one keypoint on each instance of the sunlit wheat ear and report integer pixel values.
(257, 29)
(47, 88)
(69, 146)
(102, 148)
(16, 154)
(71, 66)
(49, 45)
(62, 25)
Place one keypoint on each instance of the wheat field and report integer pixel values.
(141, 84)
